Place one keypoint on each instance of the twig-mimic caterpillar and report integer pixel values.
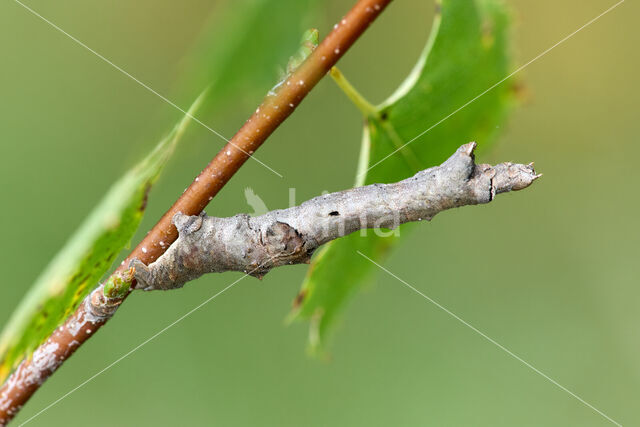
(255, 245)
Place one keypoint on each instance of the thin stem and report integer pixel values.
(97, 309)
(271, 113)
(366, 108)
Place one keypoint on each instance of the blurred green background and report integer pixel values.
(548, 272)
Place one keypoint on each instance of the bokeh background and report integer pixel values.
(550, 273)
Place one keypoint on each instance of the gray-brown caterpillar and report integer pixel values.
(290, 236)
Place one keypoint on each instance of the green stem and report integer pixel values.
(365, 107)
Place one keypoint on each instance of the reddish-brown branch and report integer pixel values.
(97, 309)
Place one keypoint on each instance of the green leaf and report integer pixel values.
(467, 53)
(236, 56)
(86, 257)
(242, 48)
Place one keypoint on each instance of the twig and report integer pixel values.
(97, 308)
(290, 236)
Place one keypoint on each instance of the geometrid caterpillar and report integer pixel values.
(255, 245)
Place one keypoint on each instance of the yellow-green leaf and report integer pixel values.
(86, 257)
